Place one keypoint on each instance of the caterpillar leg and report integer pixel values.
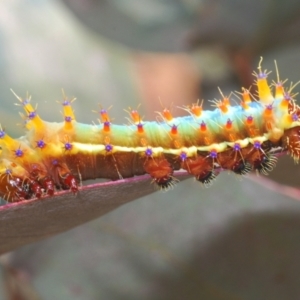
(291, 142)
(161, 171)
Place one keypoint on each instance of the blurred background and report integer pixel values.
(236, 240)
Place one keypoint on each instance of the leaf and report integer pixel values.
(183, 242)
(30, 221)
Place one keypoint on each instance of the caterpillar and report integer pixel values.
(239, 138)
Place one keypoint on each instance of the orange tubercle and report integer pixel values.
(135, 116)
(279, 90)
(246, 99)
(167, 115)
(140, 128)
(228, 124)
(174, 129)
(104, 117)
(196, 109)
(106, 126)
(223, 105)
(264, 92)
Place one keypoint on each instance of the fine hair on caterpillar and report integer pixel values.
(239, 137)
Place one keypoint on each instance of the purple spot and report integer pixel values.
(19, 153)
(2, 134)
(249, 119)
(108, 148)
(269, 107)
(262, 75)
(68, 118)
(35, 167)
(40, 144)
(287, 96)
(8, 171)
(213, 154)
(68, 146)
(257, 145)
(103, 111)
(203, 125)
(140, 126)
(148, 152)
(66, 103)
(25, 101)
(183, 156)
(31, 115)
(236, 147)
(54, 162)
(106, 124)
(294, 117)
